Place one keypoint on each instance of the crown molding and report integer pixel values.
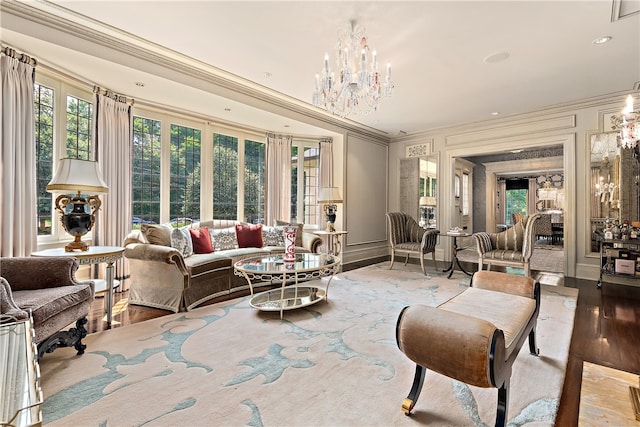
(126, 49)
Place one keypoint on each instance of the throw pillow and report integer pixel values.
(224, 238)
(157, 234)
(201, 240)
(249, 235)
(181, 240)
(272, 236)
(298, 231)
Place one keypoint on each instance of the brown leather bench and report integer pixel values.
(475, 336)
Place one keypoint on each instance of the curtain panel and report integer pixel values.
(278, 179)
(532, 196)
(18, 187)
(113, 127)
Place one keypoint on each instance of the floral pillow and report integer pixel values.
(272, 236)
(223, 238)
(181, 240)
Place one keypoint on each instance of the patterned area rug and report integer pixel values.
(334, 363)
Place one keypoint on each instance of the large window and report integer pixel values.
(225, 177)
(254, 168)
(79, 118)
(304, 182)
(184, 189)
(60, 131)
(43, 109)
(146, 171)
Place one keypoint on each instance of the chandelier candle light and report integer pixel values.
(357, 88)
(627, 124)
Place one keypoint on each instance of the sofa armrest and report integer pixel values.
(29, 273)
(9, 310)
(484, 242)
(155, 253)
(311, 242)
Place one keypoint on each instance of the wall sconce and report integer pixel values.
(77, 214)
(330, 196)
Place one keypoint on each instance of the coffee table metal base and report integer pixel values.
(288, 298)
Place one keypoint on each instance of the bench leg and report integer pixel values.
(503, 404)
(416, 388)
(533, 347)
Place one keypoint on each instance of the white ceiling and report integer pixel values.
(436, 49)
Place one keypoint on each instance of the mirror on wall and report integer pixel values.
(614, 183)
(418, 189)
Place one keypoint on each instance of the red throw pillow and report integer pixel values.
(201, 240)
(249, 235)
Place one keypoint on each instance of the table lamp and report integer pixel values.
(77, 213)
(330, 196)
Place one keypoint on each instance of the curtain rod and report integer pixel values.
(22, 57)
(112, 95)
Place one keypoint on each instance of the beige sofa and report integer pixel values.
(170, 278)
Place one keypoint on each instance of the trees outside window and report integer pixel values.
(184, 186)
(146, 176)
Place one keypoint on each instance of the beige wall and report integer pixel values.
(568, 125)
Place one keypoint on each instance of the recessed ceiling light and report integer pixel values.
(516, 151)
(602, 40)
(139, 84)
(267, 75)
(496, 57)
(227, 109)
(287, 126)
(495, 113)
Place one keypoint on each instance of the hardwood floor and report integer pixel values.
(606, 331)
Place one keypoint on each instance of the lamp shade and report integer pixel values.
(329, 195)
(78, 175)
(547, 193)
(427, 201)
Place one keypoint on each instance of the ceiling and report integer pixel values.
(437, 49)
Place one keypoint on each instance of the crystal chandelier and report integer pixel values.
(627, 125)
(358, 87)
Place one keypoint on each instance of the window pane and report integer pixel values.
(311, 163)
(184, 189)
(465, 194)
(146, 171)
(516, 201)
(294, 182)
(79, 118)
(225, 177)
(254, 167)
(43, 111)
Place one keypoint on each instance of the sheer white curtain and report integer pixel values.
(18, 187)
(278, 179)
(326, 174)
(112, 134)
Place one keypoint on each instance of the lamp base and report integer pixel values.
(330, 228)
(77, 244)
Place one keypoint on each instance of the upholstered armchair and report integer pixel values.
(48, 289)
(509, 248)
(408, 238)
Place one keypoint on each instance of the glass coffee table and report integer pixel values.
(291, 294)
